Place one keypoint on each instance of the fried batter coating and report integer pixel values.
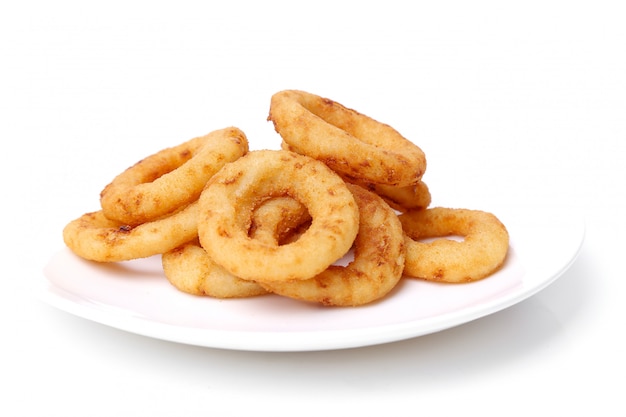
(349, 142)
(95, 237)
(170, 178)
(377, 267)
(228, 201)
(481, 252)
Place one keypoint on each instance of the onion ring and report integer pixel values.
(377, 267)
(482, 251)
(349, 142)
(410, 197)
(230, 197)
(190, 269)
(170, 178)
(95, 237)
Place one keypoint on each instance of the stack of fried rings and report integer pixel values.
(230, 197)
(352, 142)
(145, 221)
(190, 269)
(230, 222)
(377, 266)
(378, 245)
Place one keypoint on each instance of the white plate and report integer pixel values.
(135, 296)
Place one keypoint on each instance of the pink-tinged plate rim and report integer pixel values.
(136, 297)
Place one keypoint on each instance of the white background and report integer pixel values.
(516, 104)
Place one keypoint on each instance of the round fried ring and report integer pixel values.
(95, 237)
(170, 178)
(481, 252)
(227, 203)
(190, 269)
(409, 197)
(377, 267)
(349, 142)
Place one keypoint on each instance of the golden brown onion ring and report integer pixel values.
(410, 197)
(170, 178)
(190, 269)
(377, 266)
(479, 254)
(95, 237)
(349, 142)
(228, 201)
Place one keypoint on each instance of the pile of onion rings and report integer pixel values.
(339, 215)
(151, 207)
